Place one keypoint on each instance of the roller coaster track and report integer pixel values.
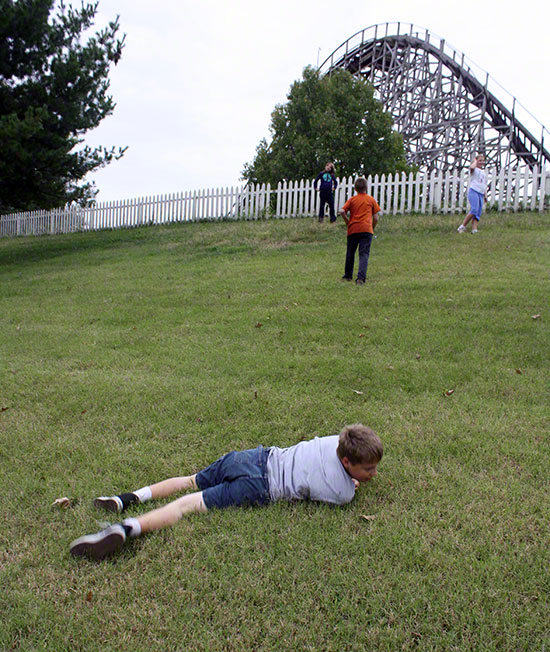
(444, 105)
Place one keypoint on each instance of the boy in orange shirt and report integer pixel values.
(360, 213)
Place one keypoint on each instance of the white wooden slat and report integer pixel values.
(284, 199)
(544, 178)
(382, 191)
(526, 188)
(396, 196)
(501, 190)
(417, 185)
(424, 192)
(445, 193)
(508, 194)
(516, 193)
(389, 194)
(402, 192)
(534, 188)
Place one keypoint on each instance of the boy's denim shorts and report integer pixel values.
(238, 478)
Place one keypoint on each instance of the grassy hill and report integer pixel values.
(131, 356)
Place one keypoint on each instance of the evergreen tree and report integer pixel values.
(53, 89)
(334, 118)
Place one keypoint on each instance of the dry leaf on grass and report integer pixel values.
(519, 371)
(259, 324)
(62, 502)
(368, 517)
(535, 316)
(3, 409)
(449, 392)
(356, 391)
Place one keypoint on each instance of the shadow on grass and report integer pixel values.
(35, 249)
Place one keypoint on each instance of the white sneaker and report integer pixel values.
(98, 546)
(461, 228)
(474, 230)
(109, 504)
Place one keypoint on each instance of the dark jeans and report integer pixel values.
(361, 240)
(326, 197)
(237, 478)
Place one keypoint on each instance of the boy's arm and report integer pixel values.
(343, 213)
(375, 220)
(473, 165)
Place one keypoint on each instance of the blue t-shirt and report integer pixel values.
(310, 469)
(327, 179)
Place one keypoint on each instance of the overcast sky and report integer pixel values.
(198, 79)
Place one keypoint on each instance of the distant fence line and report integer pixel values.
(397, 194)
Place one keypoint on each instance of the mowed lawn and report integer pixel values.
(127, 357)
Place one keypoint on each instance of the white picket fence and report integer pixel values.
(396, 194)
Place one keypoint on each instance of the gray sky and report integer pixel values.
(198, 79)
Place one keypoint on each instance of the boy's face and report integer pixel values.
(480, 162)
(362, 471)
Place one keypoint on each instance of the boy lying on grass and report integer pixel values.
(326, 469)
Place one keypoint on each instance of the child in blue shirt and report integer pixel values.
(329, 183)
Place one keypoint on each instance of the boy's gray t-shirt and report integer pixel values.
(310, 469)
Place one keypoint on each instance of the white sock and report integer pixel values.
(144, 494)
(133, 524)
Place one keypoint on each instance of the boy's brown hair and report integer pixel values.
(359, 444)
(361, 184)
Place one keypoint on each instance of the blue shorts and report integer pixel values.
(476, 203)
(238, 478)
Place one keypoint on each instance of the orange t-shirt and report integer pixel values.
(361, 208)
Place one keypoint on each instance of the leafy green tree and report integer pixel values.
(53, 89)
(333, 118)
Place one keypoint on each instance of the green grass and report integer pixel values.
(131, 356)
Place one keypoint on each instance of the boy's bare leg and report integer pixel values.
(467, 219)
(171, 513)
(110, 539)
(172, 486)
(161, 489)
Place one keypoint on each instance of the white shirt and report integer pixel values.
(310, 469)
(478, 180)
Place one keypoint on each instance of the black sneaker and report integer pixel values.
(346, 278)
(98, 546)
(109, 504)
(359, 281)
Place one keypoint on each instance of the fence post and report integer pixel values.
(544, 178)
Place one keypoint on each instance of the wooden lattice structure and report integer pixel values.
(446, 108)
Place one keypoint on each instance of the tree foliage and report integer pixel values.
(53, 89)
(334, 118)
